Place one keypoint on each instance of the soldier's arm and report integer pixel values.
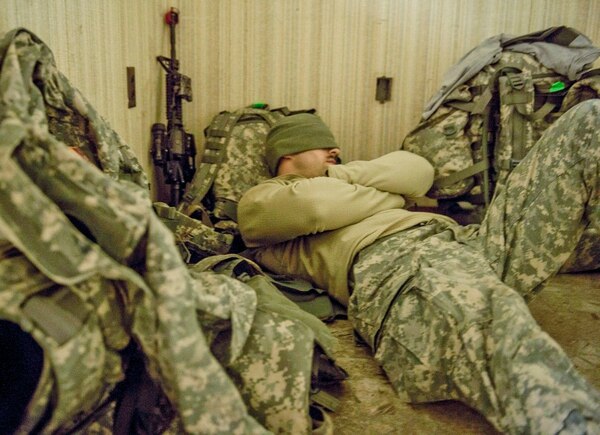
(399, 172)
(287, 207)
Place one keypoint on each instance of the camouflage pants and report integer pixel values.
(446, 316)
(548, 213)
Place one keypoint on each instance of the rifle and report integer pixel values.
(173, 149)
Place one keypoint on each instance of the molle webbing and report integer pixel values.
(218, 134)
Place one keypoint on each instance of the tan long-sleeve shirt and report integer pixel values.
(312, 228)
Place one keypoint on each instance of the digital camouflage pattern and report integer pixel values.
(445, 140)
(232, 162)
(243, 165)
(528, 106)
(69, 323)
(41, 181)
(446, 316)
(548, 212)
(86, 245)
(280, 341)
(196, 238)
(451, 138)
(515, 98)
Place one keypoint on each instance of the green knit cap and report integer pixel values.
(294, 134)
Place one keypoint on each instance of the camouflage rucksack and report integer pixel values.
(65, 344)
(205, 221)
(486, 125)
(322, 370)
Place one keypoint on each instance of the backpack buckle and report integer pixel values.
(514, 163)
(516, 80)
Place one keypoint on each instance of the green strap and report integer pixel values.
(461, 175)
(519, 133)
(314, 301)
(326, 400)
(164, 210)
(228, 208)
(475, 107)
(485, 162)
(519, 152)
(538, 114)
(217, 135)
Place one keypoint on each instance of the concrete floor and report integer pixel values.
(568, 309)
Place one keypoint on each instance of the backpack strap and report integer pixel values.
(461, 175)
(287, 112)
(481, 107)
(474, 107)
(217, 136)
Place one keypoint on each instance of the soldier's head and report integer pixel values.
(301, 144)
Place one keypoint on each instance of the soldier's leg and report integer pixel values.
(586, 255)
(549, 210)
(455, 331)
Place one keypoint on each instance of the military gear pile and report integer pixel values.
(481, 125)
(93, 282)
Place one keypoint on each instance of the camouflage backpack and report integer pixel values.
(66, 350)
(205, 221)
(486, 125)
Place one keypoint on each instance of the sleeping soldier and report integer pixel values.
(442, 305)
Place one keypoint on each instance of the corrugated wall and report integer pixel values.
(325, 54)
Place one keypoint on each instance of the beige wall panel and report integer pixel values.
(325, 54)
